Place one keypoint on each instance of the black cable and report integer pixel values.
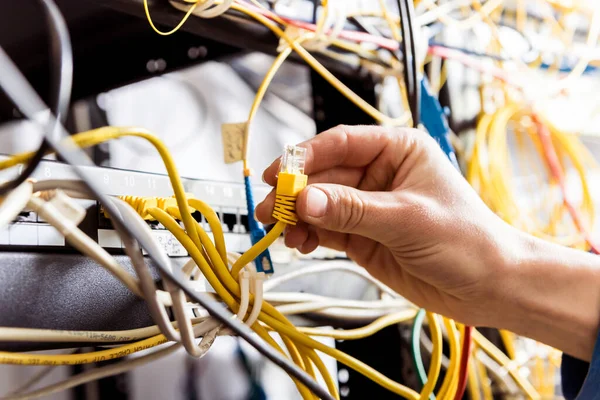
(27, 100)
(314, 11)
(415, 65)
(61, 58)
(411, 79)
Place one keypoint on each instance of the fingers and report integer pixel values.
(347, 210)
(263, 210)
(296, 235)
(348, 146)
(341, 176)
(311, 243)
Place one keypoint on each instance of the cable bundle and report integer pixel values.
(490, 166)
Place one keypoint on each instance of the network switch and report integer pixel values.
(30, 233)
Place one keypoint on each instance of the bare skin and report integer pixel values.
(390, 199)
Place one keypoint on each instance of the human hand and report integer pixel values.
(391, 200)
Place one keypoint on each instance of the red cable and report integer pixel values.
(472, 63)
(465, 356)
(558, 174)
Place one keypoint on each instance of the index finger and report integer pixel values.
(346, 146)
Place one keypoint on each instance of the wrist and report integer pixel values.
(549, 293)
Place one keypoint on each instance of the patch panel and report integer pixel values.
(228, 199)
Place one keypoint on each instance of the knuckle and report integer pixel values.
(351, 210)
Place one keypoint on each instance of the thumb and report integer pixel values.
(344, 209)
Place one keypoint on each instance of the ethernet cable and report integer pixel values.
(149, 290)
(294, 298)
(8, 334)
(257, 232)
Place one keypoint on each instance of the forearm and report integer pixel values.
(551, 294)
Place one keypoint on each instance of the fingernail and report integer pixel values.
(263, 177)
(316, 203)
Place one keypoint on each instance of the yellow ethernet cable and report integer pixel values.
(450, 382)
(290, 182)
(435, 365)
(84, 358)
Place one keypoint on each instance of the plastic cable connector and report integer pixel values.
(68, 207)
(290, 182)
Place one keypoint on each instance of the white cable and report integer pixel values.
(14, 202)
(258, 288)
(293, 297)
(328, 266)
(56, 336)
(332, 307)
(245, 294)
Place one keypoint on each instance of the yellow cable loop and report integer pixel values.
(345, 359)
(170, 224)
(258, 248)
(490, 174)
(179, 25)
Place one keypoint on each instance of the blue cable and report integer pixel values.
(263, 262)
(434, 120)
